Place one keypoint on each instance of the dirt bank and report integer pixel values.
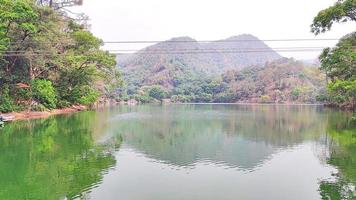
(24, 115)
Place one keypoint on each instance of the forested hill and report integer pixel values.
(279, 81)
(166, 62)
(232, 53)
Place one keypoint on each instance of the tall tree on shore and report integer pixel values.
(339, 62)
(41, 43)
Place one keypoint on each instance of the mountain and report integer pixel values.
(162, 63)
(186, 70)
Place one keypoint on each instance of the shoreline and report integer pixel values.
(27, 115)
(272, 104)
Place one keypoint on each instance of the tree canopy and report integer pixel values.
(339, 63)
(38, 42)
(341, 11)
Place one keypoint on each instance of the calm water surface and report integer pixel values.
(180, 152)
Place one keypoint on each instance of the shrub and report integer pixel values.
(157, 92)
(63, 104)
(142, 98)
(322, 96)
(296, 93)
(44, 93)
(39, 107)
(265, 98)
(342, 91)
(6, 103)
(84, 95)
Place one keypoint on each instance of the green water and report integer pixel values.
(180, 152)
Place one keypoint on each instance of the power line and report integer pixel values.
(222, 41)
(223, 52)
(196, 41)
(179, 49)
(177, 52)
(237, 49)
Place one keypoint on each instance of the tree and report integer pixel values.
(341, 11)
(38, 42)
(339, 63)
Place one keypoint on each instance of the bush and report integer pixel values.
(142, 98)
(296, 93)
(63, 104)
(84, 95)
(322, 96)
(44, 93)
(157, 92)
(265, 98)
(6, 103)
(342, 91)
(39, 107)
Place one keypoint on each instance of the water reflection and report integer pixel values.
(341, 145)
(52, 158)
(182, 152)
(237, 136)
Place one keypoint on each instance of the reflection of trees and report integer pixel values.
(51, 158)
(242, 136)
(341, 134)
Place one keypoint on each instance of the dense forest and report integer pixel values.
(49, 59)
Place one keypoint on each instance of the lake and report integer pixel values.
(180, 152)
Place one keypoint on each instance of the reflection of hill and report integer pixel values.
(51, 158)
(238, 136)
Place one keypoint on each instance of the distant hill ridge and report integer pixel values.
(212, 57)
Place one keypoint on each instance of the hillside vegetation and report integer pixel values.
(162, 63)
(220, 76)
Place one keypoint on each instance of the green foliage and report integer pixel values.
(38, 107)
(322, 96)
(342, 11)
(44, 93)
(84, 95)
(6, 103)
(142, 98)
(296, 92)
(157, 92)
(339, 63)
(73, 58)
(342, 91)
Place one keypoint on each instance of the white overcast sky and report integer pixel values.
(117, 20)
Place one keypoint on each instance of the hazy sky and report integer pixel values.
(114, 20)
